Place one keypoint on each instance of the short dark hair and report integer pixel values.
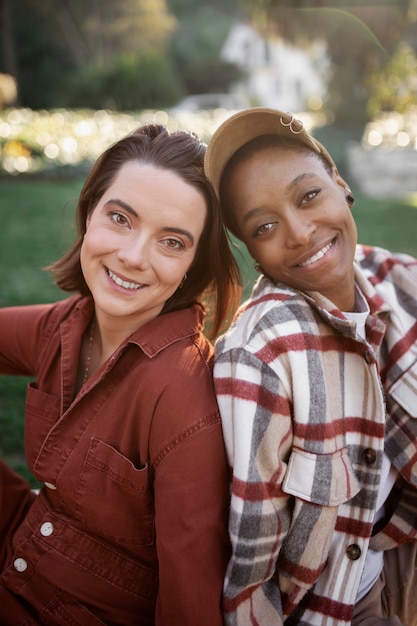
(214, 273)
(246, 151)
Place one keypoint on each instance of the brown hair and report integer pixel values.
(245, 152)
(214, 273)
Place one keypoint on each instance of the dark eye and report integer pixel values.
(173, 244)
(265, 228)
(310, 195)
(119, 218)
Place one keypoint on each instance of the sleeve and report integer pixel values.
(255, 413)
(191, 491)
(20, 329)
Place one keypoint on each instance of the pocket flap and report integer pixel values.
(324, 479)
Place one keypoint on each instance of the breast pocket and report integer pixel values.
(113, 497)
(320, 483)
(324, 479)
(42, 412)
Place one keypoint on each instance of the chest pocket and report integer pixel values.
(113, 497)
(324, 479)
(42, 412)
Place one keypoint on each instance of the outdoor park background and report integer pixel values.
(75, 76)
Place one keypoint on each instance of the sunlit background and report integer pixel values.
(76, 76)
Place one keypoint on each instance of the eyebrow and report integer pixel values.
(122, 205)
(129, 209)
(298, 179)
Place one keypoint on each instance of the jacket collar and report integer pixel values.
(167, 329)
(160, 332)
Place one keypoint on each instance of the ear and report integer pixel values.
(340, 181)
(345, 187)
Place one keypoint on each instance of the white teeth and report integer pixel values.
(122, 283)
(317, 256)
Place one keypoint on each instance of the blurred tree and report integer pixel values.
(44, 64)
(208, 74)
(148, 81)
(360, 38)
(124, 54)
(97, 31)
(394, 87)
(8, 41)
(56, 40)
(197, 41)
(186, 8)
(135, 53)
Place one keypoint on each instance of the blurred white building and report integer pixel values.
(277, 74)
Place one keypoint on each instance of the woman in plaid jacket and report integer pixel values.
(317, 386)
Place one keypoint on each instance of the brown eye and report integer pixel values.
(119, 218)
(265, 228)
(310, 196)
(173, 244)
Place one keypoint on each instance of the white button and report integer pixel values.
(50, 486)
(20, 565)
(47, 529)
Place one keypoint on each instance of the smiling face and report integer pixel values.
(292, 214)
(141, 239)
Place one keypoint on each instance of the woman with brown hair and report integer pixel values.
(122, 424)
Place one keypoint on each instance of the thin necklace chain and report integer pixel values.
(89, 351)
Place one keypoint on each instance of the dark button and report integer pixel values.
(368, 357)
(369, 456)
(353, 552)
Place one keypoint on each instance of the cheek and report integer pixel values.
(265, 251)
(170, 274)
(91, 246)
(84, 254)
(95, 239)
(353, 229)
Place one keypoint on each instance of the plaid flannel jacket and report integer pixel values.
(306, 406)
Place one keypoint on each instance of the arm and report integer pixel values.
(256, 420)
(191, 501)
(20, 329)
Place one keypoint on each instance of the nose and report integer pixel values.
(135, 252)
(298, 230)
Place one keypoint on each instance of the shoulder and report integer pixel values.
(39, 316)
(178, 357)
(25, 331)
(374, 259)
(175, 337)
(388, 271)
(272, 311)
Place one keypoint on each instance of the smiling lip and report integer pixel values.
(316, 257)
(123, 283)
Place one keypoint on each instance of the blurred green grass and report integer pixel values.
(38, 226)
